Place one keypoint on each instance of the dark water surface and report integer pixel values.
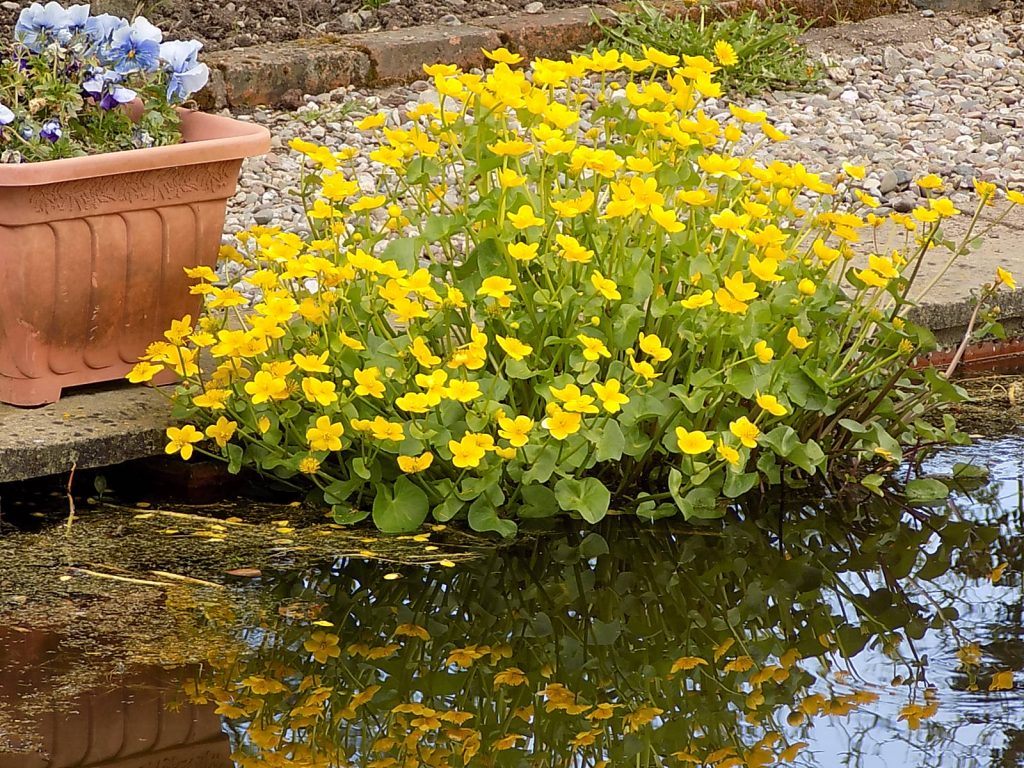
(848, 633)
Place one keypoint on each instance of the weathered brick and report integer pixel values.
(549, 35)
(279, 74)
(398, 56)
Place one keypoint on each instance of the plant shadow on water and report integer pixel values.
(866, 634)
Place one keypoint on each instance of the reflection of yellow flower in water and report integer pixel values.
(323, 646)
(513, 676)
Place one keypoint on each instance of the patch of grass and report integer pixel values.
(767, 43)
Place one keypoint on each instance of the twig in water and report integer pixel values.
(967, 337)
(71, 500)
(128, 579)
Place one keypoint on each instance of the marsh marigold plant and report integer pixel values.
(561, 302)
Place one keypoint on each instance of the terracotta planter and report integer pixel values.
(92, 252)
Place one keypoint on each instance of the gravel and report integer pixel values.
(242, 23)
(948, 104)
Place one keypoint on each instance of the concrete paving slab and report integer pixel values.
(90, 427)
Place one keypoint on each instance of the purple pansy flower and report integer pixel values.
(106, 90)
(187, 75)
(136, 47)
(51, 131)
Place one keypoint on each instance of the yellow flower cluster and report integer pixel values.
(561, 298)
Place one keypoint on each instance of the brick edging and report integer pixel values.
(280, 74)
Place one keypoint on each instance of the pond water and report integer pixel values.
(850, 632)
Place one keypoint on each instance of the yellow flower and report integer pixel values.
(727, 453)
(266, 386)
(511, 148)
(368, 381)
(572, 250)
(944, 207)
(143, 371)
(495, 287)
(372, 121)
(593, 349)
(1002, 681)
(414, 464)
(763, 351)
(872, 278)
(325, 435)
(771, 404)
(368, 203)
(513, 347)
(422, 353)
(214, 399)
(463, 391)
(747, 432)
(516, 430)
(416, 402)
(765, 269)
(523, 251)
(182, 439)
(807, 287)
(793, 337)
(643, 369)
(574, 399)
(659, 58)
(322, 646)
(606, 287)
(382, 429)
(309, 465)
(651, 344)
(467, 452)
(773, 133)
(729, 220)
(1005, 277)
(931, 181)
(825, 253)
(1017, 198)
(561, 424)
(318, 391)
(509, 178)
(699, 300)
(985, 189)
(855, 171)
(610, 394)
(312, 363)
(666, 219)
(726, 54)
(502, 56)
(222, 431)
(692, 443)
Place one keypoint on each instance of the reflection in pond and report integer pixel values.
(854, 633)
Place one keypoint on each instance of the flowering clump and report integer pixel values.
(558, 302)
(70, 74)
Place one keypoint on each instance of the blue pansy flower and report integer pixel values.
(40, 25)
(6, 115)
(187, 75)
(105, 88)
(51, 131)
(100, 31)
(136, 47)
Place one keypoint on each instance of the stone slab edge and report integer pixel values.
(280, 74)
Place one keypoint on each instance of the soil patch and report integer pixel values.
(242, 23)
